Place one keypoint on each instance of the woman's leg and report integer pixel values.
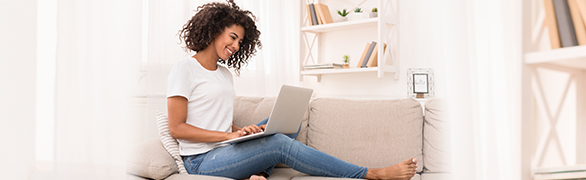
(292, 136)
(241, 160)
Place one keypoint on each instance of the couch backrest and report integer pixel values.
(251, 110)
(436, 139)
(373, 133)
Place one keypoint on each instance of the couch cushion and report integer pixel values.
(436, 176)
(277, 174)
(251, 110)
(150, 159)
(194, 177)
(306, 177)
(134, 177)
(284, 174)
(436, 142)
(371, 133)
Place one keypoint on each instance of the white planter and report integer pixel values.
(373, 14)
(342, 19)
(356, 16)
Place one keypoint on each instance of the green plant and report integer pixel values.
(346, 59)
(343, 13)
(358, 10)
(374, 10)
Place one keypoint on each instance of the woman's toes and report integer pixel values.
(410, 161)
(257, 177)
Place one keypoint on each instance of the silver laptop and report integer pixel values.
(287, 113)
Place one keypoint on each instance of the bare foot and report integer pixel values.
(256, 177)
(401, 171)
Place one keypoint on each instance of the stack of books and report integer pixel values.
(369, 56)
(318, 14)
(565, 20)
(324, 66)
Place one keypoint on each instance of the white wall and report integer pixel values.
(421, 46)
(18, 92)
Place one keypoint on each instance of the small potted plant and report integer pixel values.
(346, 61)
(374, 13)
(343, 13)
(357, 14)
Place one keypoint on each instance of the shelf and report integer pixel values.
(565, 172)
(319, 72)
(386, 26)
(338, 71)
(570, 57)
(340, 25)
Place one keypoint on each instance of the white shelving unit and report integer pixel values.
(340, 25)
(573, 61)
(569, 57)
(566, 172)
(387, 32)
(567, 60)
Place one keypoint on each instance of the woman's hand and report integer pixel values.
(236, 134)
(246, 130)
(252, 129)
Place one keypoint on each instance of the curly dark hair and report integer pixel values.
(209, 22)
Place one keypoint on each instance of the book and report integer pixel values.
(313, 15)
(324, 13)
(324, 66)
(363, 55)
(582, 8)
(309, 15)
(565, 24)
(578, 22)
(368, 54)
(373, 61)
(372, 54)
(318, 14)
(550, 22)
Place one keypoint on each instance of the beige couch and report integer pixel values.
(367, 132)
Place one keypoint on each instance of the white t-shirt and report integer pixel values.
(210, 96)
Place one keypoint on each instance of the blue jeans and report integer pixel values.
(244, 159)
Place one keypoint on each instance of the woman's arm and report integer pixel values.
(179, 129)
(235, 128)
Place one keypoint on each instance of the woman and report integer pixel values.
(200, 102)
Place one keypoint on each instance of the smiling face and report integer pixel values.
(229, 41)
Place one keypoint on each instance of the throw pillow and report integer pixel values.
(169, 142)
(150, 159)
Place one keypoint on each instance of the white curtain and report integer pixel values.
(277, 62)
(98, 47)
(485, 71)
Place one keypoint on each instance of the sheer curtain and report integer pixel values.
(98, 45)
(485, 88)
(277, 62)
